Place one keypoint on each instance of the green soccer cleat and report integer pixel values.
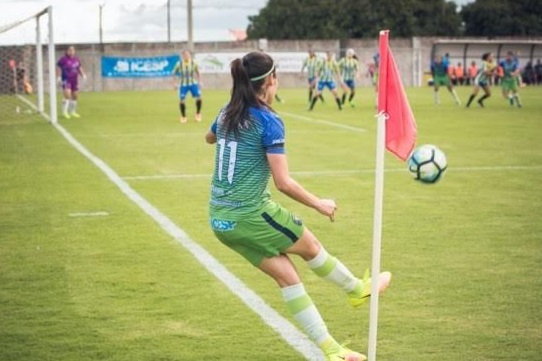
(358, 297)
(75, 115)
(66, 115)
(335, 352)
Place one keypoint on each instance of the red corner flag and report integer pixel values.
(392, 100)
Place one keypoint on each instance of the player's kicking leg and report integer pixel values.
(302, 308)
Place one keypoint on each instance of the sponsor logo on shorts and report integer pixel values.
(221, 225)
(297, 220)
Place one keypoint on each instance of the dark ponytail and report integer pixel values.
(245, 92)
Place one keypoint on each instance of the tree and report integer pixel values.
(503, 18)
(332, 19)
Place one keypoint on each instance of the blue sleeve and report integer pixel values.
(273, 134)
(213, 126)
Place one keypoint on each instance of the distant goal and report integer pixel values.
(27, 69)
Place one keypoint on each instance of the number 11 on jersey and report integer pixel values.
(231, 163)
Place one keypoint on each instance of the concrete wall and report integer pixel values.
(413, 57)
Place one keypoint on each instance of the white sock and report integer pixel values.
(437, 100)
(65, 105)
(456, 98)
(73, 106)
(331, 269)
(302, 308)
(518, 100)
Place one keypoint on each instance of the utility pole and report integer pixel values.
(190, 25)
(169, 21)
(101, 6)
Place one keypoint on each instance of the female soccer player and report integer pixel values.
(509, 81)
(326, 73)
(349, 67)
(250, 148)
(311, 64)
(482, 79)
(68, 70)
(189, 81)
(441, 76)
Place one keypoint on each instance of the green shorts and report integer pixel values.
(375, 78)
(510, 84)
(441, 80)
(263, 234)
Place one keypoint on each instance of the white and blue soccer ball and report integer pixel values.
(427, 163)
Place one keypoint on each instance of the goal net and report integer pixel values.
(27, 69)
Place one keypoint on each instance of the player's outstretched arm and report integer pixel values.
(284, 183)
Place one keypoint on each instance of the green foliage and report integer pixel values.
(328, 19)
(503, 18)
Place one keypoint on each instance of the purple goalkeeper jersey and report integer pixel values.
(69, 67)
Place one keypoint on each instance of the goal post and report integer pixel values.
(27, 69)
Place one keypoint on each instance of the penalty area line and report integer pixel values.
(270, 316)
(325, 122)
(89, 214)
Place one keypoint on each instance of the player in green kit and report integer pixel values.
(439, 70)
(349, 68)
(250, 148)
(326, 72)
(509, 81)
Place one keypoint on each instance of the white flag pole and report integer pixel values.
(379, 194)
(377, 231)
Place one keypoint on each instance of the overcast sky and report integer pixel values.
(77, 21)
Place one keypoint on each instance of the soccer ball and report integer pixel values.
(427, 163)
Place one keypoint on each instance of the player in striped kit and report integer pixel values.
(327, 72)
(482, 79)
(187, 73)
(311, 64)
(250, 148)
(349, 68)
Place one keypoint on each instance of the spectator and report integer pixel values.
(538, 72)
(460, 74)
(451, 72)
(528, 74)
(498, 75)
(473, 71)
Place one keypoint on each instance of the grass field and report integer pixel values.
(79, 285)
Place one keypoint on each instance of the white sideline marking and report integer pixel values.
(272, 318)
(326, 122)
(343, 172)
(89, 214)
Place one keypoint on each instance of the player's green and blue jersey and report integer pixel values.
(187, 72)
(241, 175)
(327, 70)
(509, 67)
(311, 63)
(439, 69)
(348, 68)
